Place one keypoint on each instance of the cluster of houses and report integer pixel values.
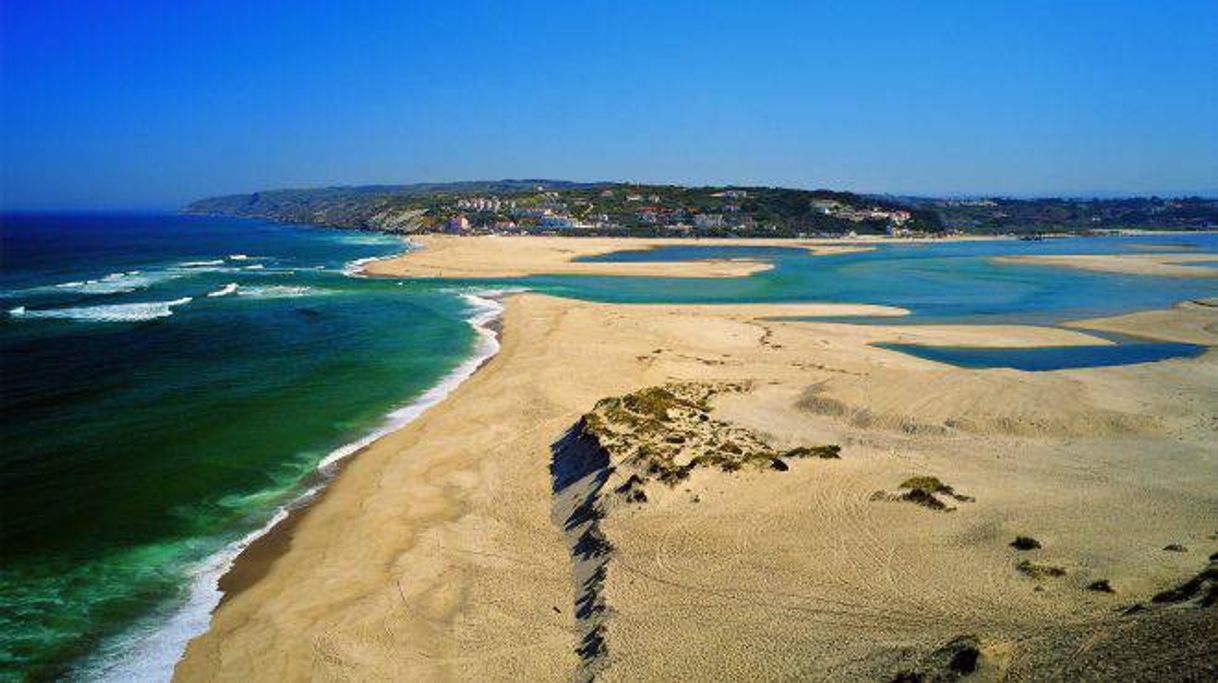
(832, 207)
(492, 204)
(548, 212)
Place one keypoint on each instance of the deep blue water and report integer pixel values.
(166, 383)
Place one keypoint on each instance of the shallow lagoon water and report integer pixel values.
(1046, 358)
(946, 283)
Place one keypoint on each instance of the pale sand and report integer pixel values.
(1167, 265)
(493, 256)
(433, 556)
(1190, 322)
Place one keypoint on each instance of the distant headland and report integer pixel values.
(643, 210)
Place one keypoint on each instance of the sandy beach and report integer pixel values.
(443, 550)
(447, 256)
(1162, 264)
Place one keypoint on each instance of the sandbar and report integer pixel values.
(1160, 264)
(496, 256)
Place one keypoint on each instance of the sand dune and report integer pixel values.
(435, 554)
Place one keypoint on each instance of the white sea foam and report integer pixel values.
(225, 290)
(199, 264)
(152, 655)
(356, 268)
(362, 239)
(114, 283)
(279, 292)
(238, 257)
(111, 313)
(256, 266)
(485, 310)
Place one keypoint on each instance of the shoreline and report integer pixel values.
(458, 495)
(243, 562)
(253, 562)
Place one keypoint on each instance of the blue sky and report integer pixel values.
(152, 104)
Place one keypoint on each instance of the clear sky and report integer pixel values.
(126, 103)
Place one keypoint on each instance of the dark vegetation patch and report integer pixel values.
(1039, 570)
(664, 433)
(925, 491)
(1101, 586)
(953, 661)
(1025, 543)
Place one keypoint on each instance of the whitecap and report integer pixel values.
(111, 313)
(113, 283)
(225, 290)
(201, 264)
(278, 292)
(256, 266)
(238, 257)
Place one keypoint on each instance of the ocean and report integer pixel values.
(171, 383)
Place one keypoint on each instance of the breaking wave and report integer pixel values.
(114, 283)
(225, 290)
(278, 292)
(111, 313)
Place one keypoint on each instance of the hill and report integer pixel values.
(607, 208)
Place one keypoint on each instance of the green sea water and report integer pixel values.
(168, 384)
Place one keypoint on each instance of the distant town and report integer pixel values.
(625, 209)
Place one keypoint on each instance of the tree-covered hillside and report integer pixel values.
(552, 206)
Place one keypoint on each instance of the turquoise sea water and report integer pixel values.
(169, 383)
